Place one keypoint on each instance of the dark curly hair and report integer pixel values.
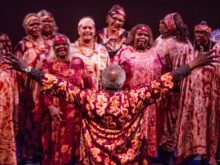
(132, 32)
(181, 33)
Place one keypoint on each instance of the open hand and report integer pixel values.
(203, 59)
(15, 62)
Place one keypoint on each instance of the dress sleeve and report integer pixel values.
(50, 84)
(153, 92)
(147, 94)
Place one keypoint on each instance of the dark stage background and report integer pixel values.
(68, 12)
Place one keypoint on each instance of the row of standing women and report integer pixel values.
(32, 123)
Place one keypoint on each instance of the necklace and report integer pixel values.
(86, 51)
(39, 44)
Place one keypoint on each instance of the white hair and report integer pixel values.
(85, 20)
(113, 77)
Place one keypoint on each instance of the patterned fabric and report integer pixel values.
(198, 118)
(111, 131)
(203, 28)
(29, 138)
(95, 59)
(61, 141)
(8, 107)
(112, 44)
(204, 48)
(49, 39)
(169, 21)
(173, 54)
(116, 9)
(137, 73)
(5, 44)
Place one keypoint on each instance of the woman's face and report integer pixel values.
(61, 49)
(141, 40)
(115, 21)
(34, 27)
(47, 23)
(86, 31)
(163, 29)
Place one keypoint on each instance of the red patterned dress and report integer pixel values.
(111, 132)
(61, 140)
(174, 54)
(140, 68)
(112, 44)
(29, 140)
(8, 107)
(198, 117)
(5, 44)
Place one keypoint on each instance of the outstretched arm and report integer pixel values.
(49, 83)
(152, 92)
(67, 91)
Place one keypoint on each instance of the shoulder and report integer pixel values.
(126, 51)
(127, 48)
(101, 49)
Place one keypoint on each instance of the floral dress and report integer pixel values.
(29, 138)
(8, 107)
(111, 132)
(61, 140)
(140, 68)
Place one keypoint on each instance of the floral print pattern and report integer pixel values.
(104, 138)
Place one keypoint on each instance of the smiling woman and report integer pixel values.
(134, 58)
(114, 35)
(32, 25)
(61, 122)
(61, 47)
(49, 27)
(67, 13)
(86, 30)
(93, 54)
(34, 49)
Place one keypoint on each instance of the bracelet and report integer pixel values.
(28, 69)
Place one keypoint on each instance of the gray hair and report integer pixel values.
(44, 12)
(86, 19)
(113, 77)
(26, 18)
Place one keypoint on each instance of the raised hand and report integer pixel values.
(205, 58)
(15, 62)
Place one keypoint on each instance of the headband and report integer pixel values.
(204, 28)
(86, 20)
(59, 39)
(169, 21)
(143, 29)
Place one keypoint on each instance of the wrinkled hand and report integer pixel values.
(15, 62)
(203, 59)
(55, 113)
